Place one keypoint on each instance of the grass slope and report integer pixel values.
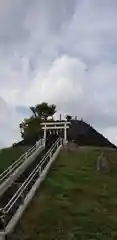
(75, 202)
(8, 156)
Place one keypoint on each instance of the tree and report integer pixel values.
(68, 118)
(44, 110)
(31, 126)
(33, 111)
(51, 110)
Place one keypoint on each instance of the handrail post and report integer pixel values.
(50, 154)
(2, 219)
(26, 155)
(39, 171)
(61, 140)
(37, 144)
(22, 198)
(43, 142)
(57, 144)
(9, 170)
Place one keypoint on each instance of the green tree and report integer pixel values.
(33, 111)
(31, 126)
(51, 110)
(44, 110)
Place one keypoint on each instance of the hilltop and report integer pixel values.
(85, 135)
(81, 132)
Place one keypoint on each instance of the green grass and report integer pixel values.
(8, 156)
(75, 202)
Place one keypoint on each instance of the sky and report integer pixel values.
(63, 52)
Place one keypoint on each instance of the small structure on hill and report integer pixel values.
(56, 127)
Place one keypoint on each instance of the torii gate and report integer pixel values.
(56, 126)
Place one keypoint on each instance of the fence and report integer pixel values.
(19, 161)
(11, 213)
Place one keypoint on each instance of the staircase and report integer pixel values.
(16, 169)
(21, 180)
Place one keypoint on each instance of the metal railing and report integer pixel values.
(4, 175)
(17, 199)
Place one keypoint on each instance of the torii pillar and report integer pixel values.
(65, 134)
(45, 133)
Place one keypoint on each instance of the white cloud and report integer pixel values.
(9, 121)
(63, 52)
(61, 83)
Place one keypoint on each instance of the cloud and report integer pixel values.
(10, 118)
(88, 94)
(7, 120)
(63, 52)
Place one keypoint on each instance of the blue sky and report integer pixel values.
(23, 110)
(63, 52)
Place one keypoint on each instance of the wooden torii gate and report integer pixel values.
(57, 126)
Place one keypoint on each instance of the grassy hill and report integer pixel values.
(81, 132)
(9, 155)
(75, 202)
